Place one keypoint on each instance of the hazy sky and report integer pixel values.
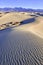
(37, 4)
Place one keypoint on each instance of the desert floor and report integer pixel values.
(22, 44)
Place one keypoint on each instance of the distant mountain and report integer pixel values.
(20, 9)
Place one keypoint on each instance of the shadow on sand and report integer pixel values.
(9, 29)
(3, 35)
(27, 21)
(40, 14)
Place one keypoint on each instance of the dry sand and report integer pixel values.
(13, 17)
(34, 27)
(20, 48)
(38, 28)
(21, 45)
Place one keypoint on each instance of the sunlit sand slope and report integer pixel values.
(2, 14)
(29, 23)
(13, 17)
(35, 27)
(38, 28)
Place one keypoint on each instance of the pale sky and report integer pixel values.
(35, 4)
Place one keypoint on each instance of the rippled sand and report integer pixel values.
(20, 48)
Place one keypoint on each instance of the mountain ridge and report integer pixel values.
(20, 9)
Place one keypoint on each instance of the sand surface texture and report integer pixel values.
(22, 44)
(20, 48)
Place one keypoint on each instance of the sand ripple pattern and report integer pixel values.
(20, 48)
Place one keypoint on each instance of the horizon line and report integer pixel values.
(22, 7)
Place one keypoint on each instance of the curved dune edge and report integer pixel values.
(38, 29)
(13, 17)
(35, 28)
(37, 33)
(33, 31)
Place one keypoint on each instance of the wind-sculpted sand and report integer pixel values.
(38, 28)
(20, 48)
(34, 25)
(13, 17)
(21, 43)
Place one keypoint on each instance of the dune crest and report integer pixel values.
(38, 29)
(35, 27)
(26, 22)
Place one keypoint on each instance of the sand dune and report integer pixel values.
(20, 48)
(2, 14)
(35, 27)
(23, 44)
(13, 17)
(28, 23)
(38, 28)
